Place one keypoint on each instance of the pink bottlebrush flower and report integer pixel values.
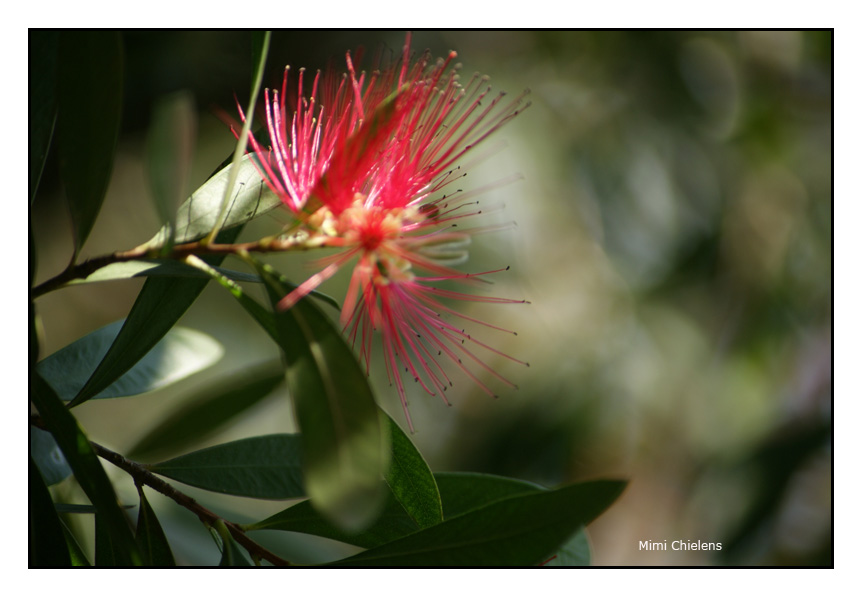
(365, 164)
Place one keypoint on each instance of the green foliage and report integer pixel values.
(232, 553)
(260, 467)
(88, 123)
(155, 549)
(181, 353)
(46, 542)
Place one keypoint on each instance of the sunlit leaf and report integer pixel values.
(155, 549)
(157, 268)
(85, 465)
(48, 457)
(212, 406)
(260, 467)
(199, 213)
(345, 452)
(518, 531)
(46, 542)
(88, 122)
(181, 353)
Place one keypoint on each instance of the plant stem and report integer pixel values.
(143, 476)
(178, 252)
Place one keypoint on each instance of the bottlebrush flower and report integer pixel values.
(364, 163)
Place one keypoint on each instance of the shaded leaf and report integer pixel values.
(575, 552)
(88, 122)
(345, 452)
(159, 305)
(170, 144)
(41, 100)
(48, 457)
(110, 552)
(232, 554)
(47, 544)
(76, 555)
(259, 467)
(517, 531)
(85, 465)
(459, 492)
(209, 409)
(181, 353)
(410, 479)
(155, 549)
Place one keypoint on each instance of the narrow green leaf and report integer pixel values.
(46, 542)
(48, 457)
(200, 212)
(210, 408)
(410, 479)
(157, 268)
(84, 463)
(344, 449)
(170, 144)
(41, 99)
(460, 492)
(517, 531)
(232, 553)
(155, 549)
(88, 122)
(76, 555)
(181, 353)
(575, 552)
(110, 552)
(260, 467)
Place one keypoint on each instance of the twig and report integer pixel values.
(142, 475)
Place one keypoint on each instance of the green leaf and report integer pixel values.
(76, 555)
(170, 144)
(260, 467)
(85, 465)
(210, 408)
(410, 479)
(575, 552)
(199, 213)
(518, 531)
(46, 542)
(462, 492)
(109, 551)
(155, 549)
(42, 100)
(88, 122)
(232, 553)
(159, 305)
(345, 451)
(157, 268)
(459, 492)
(181, 353)
(48, 457)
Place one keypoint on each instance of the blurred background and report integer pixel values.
(672, 228)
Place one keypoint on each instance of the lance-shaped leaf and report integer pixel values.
(85, 465)
(232, 553)
(260, 467)
(345, 451)
(155, 549)
(518, 531)
(156, 268)
(88, 122)
(48, 457)
(47, 543)
(459, 493)
(213, 406)
(575, 552)
(180, 354)
(41, 99)
(197, 216)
